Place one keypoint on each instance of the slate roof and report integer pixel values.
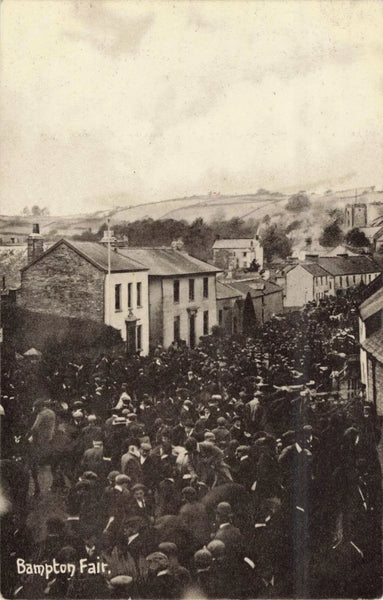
(249, 285)
(374, 345)
(225, 291)
(232, 244)
(350, 265)
(166, 262)
(370, 231)
(97, 255)
(314, 269)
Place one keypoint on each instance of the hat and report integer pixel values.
(112, 475)
(168, 548)
(89, 476)
(203, 558)
(120, 581)
(120, 479)
(157, 560)
(138, 486)
(217, 548)
(146, 446)
(224, 509)
(189, 493)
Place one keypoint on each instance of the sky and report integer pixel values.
(106, 103)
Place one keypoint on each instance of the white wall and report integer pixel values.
(116, 318)
(299, 287)
(172, 309)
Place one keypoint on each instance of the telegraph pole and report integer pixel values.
(109, 271)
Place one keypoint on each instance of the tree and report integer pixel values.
(331, 235)
(35, 210)
(249, 318)
(298, 202)
(275, 243)
(358, 238)
(26, 211)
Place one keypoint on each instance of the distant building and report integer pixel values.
(371, 343)
(355, 215)
(267, 297)
(229, 307)
(72, 279)
(182, 294)
(327, 276)
(240, 253)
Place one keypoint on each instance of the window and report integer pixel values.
(220, 316)
(353, 279)
(117, 296)
(205, 322)
(205, 287)
(191, 290)
(139, 294)
(176, 290)
(176, 328)
(129, 295)
(347, 281)
(139, 337)
(245, 254)
(244, 264)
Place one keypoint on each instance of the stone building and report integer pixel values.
(182, 294)
(73, 279)
(327, 276)
(267, 297)
(229, 307)
(238, 252)
(355, 215)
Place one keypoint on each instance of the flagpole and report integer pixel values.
(109, 271)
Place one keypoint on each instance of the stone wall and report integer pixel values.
(65, 284)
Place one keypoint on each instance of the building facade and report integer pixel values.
(238, 253)
(328, 276)
(229, 308)
(267, 297)
(182, 295)
(355, 215)
(72, 279)
(371, 343)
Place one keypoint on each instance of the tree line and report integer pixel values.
(199, 236)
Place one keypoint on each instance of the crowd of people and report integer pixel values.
(242, 468)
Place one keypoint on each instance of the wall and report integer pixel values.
(323, 286)
(116, 318)
(172, 309)
(371, 365)
(272, 305)
(156, 317)
(299, 287)
(343, 282)
(226, 305)
(65, 284)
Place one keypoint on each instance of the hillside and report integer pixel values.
(210, 207)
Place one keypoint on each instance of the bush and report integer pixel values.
(298, 202)
(331, 235)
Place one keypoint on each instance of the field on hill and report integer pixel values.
(261, 206)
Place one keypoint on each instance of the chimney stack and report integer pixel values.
(35, 243)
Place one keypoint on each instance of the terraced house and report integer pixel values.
(327, 276)
(182, 294)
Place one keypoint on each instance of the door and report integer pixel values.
(192, 331)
